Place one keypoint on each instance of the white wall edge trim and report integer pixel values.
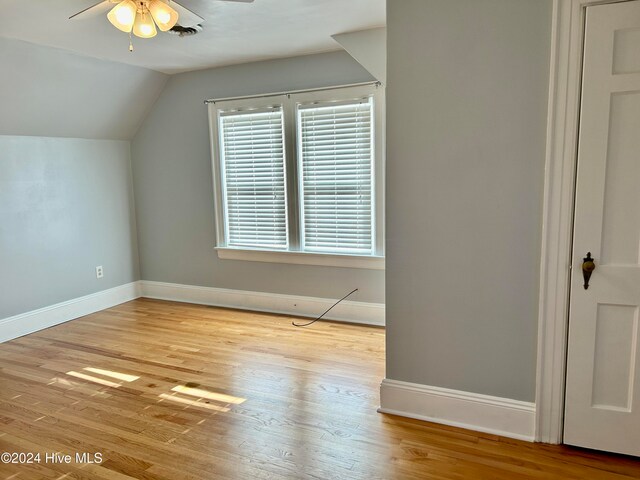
(347, 311)
(35, 320)
(557, 222)
(301, 258)
(473, 411)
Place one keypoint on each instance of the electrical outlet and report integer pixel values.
(99, 271)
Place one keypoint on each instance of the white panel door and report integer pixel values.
(602, 403)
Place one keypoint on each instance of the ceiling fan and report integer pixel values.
(140, 17)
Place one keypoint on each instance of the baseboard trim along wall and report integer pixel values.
(35, 320)
(347, 311)
(483, 413)
(29, 322)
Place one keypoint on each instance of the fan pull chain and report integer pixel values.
(130, 43)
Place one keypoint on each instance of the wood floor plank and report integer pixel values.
(171, 391)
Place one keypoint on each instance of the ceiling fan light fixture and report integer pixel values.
(143, 26)
(164, 16)
(123, 15)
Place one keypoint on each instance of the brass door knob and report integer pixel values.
(588, 266)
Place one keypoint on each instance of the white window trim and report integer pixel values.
(289, 102)
(302, 258)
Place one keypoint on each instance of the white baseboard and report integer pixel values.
(25, 323)
(35, 320)
(348, 311)
(473, 411)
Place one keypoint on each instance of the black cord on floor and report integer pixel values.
(325, 312)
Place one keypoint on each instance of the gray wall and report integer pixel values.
(174, 191)
(66, 206)
(52, 93)
(466, 117)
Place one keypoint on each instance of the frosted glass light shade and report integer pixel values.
(144, 26)
(123, 15)
(165, 16)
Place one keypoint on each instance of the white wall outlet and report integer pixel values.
(99, 271)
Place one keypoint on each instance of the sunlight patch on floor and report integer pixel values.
(93, 379)
(198, 392)
(109, 373)
(193, 403)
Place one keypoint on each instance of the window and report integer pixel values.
(252, 159)
(298, 177)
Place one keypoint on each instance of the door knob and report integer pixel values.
(588, 266)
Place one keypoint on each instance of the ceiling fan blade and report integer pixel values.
(186, 17)
(93, 10)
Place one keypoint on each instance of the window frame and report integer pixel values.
(289, 103)
(224, 181)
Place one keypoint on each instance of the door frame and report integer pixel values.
(565, 79)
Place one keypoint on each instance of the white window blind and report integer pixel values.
(253, 171)
(336, 160)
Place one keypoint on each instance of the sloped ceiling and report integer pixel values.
(63, 78)
(52, 93)
(368, 48)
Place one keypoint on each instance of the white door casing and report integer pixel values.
(602, 403)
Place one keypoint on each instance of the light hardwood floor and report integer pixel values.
(173, 391)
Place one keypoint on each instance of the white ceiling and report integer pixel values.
(233, 32)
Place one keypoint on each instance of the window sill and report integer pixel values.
(302, 258)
